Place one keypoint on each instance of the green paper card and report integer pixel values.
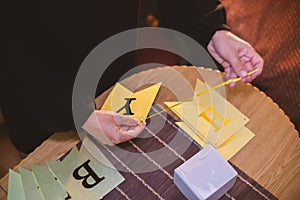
(31, 188)
(51, 187)
(85, 176)
(15, 186)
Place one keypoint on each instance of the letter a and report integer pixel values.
(127, 107)
(90, 173)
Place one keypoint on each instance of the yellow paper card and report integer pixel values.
(223, 118)
(213, 118)
(195, 123)
(228, 149)
(187, 109)
(115, 99)
(136, 104)
(86, 177)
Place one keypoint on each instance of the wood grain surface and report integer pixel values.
(3, 194)
(272, 157)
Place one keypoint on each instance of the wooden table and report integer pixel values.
(272, 157)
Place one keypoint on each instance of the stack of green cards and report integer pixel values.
(83, 174)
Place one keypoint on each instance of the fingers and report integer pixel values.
(126, 133)
(123, 120)
(238, 67)
(249, 60)
(252, 60)
(133, 132)
(258, 63)
(230, 74)
(237, 56)
(112, 128)
(123, 128)
(227, 71)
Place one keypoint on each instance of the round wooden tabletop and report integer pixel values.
(272, 157)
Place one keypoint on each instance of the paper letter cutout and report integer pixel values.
(15, 186)
(101, 166)
(212, 117)
(90, 173)
(127, 107)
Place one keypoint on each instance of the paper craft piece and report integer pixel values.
(31, 188)
(84, 176)
(125, 102)
(137, 104)
(225, 119)
(210, 115)
(50, 186)
(230, 147)
(203, 120)
(15, 186)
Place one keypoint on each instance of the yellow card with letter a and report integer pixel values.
(210, 119)
(136, 104)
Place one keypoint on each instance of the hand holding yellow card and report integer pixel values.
(124, 102)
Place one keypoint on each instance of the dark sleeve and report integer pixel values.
(199, 19)
(10, 19)
(25, 76)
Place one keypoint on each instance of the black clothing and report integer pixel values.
(45, 42)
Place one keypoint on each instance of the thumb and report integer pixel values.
(238, 67)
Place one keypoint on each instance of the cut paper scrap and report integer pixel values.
(229, 148)
(50, 186)
(137, 104)
(84, 176)
(15, 186)
(30, 185)
(213, 118)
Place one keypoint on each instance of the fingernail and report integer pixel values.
(243, 73)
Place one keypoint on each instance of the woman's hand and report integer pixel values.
(236, 56)
(112, 128)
